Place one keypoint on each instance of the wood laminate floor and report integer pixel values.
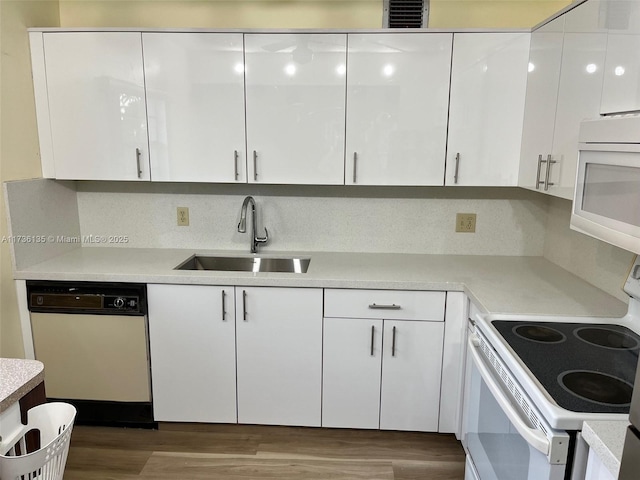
(241, 452)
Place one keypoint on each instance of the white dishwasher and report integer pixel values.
(93, 340)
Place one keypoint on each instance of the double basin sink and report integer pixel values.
(245, 264)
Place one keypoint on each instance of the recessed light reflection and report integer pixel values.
(341, 69)
(591, 68)
(238, 68)
(531, 67)
(619, 71)
(388, 70)
(290, 69)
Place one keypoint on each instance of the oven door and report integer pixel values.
(500, 440)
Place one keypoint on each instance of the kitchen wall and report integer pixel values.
(492, 13)
(510, 221)
(19, 153)
(297, 14)
(599, 263)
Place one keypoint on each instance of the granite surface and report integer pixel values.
(606, 439)
(17, 378)
(496, 284)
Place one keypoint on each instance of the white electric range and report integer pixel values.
(532, 381)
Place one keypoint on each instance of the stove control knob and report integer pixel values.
(635, 273)
(119, 302)
(475, 341)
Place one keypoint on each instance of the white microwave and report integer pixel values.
(606, 203)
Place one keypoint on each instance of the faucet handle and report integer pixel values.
(264, 239)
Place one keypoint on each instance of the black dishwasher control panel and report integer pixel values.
(87, 297)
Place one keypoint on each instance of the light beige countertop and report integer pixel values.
(606, 439)
(17, 378)
(496, 284)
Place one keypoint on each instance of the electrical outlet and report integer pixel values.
(183, 216)
(466, 222)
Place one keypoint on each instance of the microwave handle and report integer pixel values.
(533, 437)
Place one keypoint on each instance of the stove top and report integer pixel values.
(583, 367)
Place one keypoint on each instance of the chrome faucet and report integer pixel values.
(242, 226)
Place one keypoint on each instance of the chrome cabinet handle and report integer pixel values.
(235, 163)
(255, 166)
(393, 306)
(138, 153)
(393, 342)
(547, 173)
(373, 333)
(355, 162)
(455, 173)
(538, 181)
(224, 313)
(244, 305)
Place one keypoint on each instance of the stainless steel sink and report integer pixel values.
(245, 264)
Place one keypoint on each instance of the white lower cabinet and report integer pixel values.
(202, 353)
(279, 355)
(193, 355)
(381, 373)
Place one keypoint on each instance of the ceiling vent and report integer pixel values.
(406, 13)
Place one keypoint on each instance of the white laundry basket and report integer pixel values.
(55, 422)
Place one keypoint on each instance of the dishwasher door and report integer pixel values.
(93, 357)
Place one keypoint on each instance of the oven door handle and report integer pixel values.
(533, 437)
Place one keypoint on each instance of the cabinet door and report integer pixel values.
(352, 358)
(295, 96)
(279, 352)
(397, 99)
(195, 101)
(488, 87)
(97, 108)
(411, 371)
(543, 79)
(192, 342)
(621, 89)
(581, 77)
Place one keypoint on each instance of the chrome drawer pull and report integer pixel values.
(224, 313)
(373, 333)
(538, 181)
(393, 306)
(244, 305)
(393, 343)
(235, 163)
(355, 161)
(138, 153)
(546, 176)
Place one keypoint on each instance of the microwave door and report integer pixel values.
(607, 198)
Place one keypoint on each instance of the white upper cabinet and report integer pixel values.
(295, 97)
(195, 103)
(621, 90)
(397, 98)
(573, 68)
(545, 58)
(97, 110)
(579, 92)
(488, 86)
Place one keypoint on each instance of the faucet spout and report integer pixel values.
(242, 225)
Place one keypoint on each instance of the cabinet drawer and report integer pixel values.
(387, 304)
